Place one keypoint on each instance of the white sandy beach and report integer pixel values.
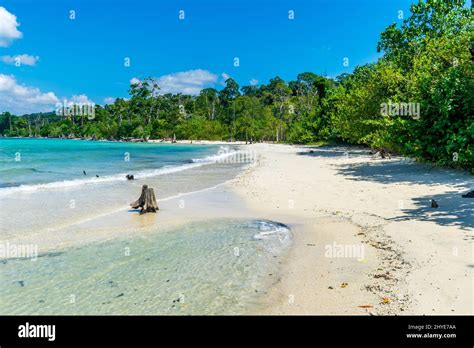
(415, 259)
(418, 260)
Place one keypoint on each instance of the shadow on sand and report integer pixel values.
(453, 210)
(334, 151)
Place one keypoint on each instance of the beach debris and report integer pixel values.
(382, 153)
(96, 176)
(385, 300)
(21, 282)
(366, 306)
(130, 177)
(330, 287)
(84, 172)
(468, 195)
(146, 201)
(434, 204)
(385, 276)
(344, 285)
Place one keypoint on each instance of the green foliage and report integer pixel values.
(427, 62)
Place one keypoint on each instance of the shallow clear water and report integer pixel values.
(214, 267)
(46, 190)
(83, 229)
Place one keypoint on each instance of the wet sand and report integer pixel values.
(418, 260)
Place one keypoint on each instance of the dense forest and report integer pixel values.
(416, 100)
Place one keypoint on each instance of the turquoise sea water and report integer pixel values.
(40, 161)
(96, 256)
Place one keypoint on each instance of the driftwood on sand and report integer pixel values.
(382, 153)
(147, 201)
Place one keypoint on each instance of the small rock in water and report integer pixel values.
(434, 204)
(21, 282)
(119, 295)
(469, 195)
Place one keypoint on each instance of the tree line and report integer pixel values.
(416, 100)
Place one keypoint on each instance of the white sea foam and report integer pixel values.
(276, 236)
(114, 178)
(221, 155)
(230, 156)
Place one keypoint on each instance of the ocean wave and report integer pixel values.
(109, 178)
(275, 235)
(221, 155)
(24, 171)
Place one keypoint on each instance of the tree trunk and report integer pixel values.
(146, 201)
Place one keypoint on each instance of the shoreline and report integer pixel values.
(149, 141)
(329, 197)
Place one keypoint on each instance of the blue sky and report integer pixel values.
(83, 58)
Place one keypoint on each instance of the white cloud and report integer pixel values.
(187, 82)
(20, 99)
(80, 99)
(23, 59)
(109, 100)
(135, 81)
(8, 28)
(253, 82)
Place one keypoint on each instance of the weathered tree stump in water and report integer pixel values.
(147, 201)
